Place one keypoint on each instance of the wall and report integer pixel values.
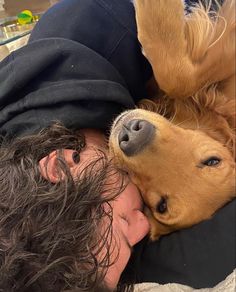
(13, 7)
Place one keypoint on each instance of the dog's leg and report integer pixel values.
(161, 31)
(169, 40)
(218, 63)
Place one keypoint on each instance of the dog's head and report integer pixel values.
(184, 175)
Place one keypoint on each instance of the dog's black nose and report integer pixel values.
(135, 135)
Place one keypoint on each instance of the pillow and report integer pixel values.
(200, 256)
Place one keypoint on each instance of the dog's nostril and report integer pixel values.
(125, 138)
(135, 125)
(123, 135)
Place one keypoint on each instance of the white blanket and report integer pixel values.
(228, 285)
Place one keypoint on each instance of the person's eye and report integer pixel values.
(76, 157)
(162, 205)
(212, 161)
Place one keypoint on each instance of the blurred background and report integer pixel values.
(10, 8)
(17, 19)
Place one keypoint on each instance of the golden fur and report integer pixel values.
(193, 60)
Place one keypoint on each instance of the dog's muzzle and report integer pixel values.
(134, 135)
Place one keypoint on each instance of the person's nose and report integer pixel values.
(135, 135)
(140, 227)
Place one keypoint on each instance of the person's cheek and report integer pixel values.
(120, 255)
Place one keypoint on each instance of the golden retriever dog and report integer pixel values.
(180, 151)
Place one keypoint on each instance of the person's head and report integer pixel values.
(68, 218)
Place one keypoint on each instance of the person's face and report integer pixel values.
(129, 223)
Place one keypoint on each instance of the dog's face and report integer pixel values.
(184, 175)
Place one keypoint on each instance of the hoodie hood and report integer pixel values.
(108, 27)
(57, 79)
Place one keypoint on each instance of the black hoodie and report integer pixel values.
(82, 66)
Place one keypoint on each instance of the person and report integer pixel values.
(68, 218)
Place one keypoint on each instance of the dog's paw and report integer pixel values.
(159, 22)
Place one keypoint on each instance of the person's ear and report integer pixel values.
(49, 164)
(49, 167)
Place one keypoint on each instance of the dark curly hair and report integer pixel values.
(50, 234)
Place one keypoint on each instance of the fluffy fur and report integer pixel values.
(193, 60)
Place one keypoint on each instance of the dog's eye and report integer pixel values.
(212, 161)
(162, 206)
